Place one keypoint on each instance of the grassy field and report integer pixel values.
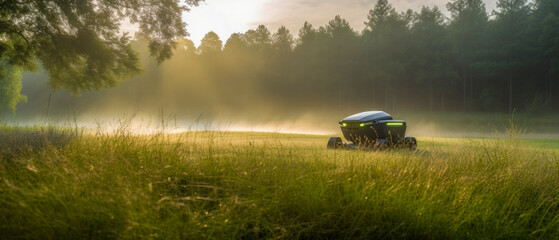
(61, 183)
(480, 125)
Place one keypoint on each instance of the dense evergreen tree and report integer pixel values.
(386, 40)
(210, 44)
(467, 31)
(429, 62)
(546, 25)
(506, 58)
(282, 40)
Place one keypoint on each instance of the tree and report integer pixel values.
(80, 44)
(235, 43)
(510, 44)
(258, 39)
(10, 87)
(431, 54)
(467, 31)
(380, 15)
(386, 41)
(262, 36)
(306, 34)
(210, 44)
(337, 57)
(185, 47)
(282, 40)
(546, 25)
(339, 28)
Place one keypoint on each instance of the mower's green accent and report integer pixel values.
(373, 129)
(365, 124)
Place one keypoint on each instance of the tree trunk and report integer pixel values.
(340, 105)
(464, 78)
(510, 94)
(431, 99)
(442, 102)
(550, 90)
(471, 85)
(385, 97)
(551, 105)
(48, 106)
(373, 91)
(547, 79)
(393, 102)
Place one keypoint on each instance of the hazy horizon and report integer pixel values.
(226, 17)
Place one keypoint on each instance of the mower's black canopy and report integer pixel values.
(368, 116)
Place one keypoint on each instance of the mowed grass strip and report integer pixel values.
(228, 185)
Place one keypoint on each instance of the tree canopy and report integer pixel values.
(210, 44)
(80, 43)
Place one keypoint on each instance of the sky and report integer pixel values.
(226, 16)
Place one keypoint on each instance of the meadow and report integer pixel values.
(63, 183)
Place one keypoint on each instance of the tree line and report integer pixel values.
(420, 60)
(412, 60)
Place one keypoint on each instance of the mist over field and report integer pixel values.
(183, 105)
(189, 92)
(162, 100)
(179, 106)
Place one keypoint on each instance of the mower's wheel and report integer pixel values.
(334, 142)
(411, 143)
(382, 144)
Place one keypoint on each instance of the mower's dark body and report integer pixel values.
(374, 128)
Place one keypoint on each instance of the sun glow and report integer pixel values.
(224, 17)
(148, 126)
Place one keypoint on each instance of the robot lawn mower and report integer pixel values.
(373, 130)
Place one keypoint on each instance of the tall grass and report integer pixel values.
(225, 185)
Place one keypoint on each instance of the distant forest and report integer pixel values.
(469, 61)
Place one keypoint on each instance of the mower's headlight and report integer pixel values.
(365, 124)
(343, 124)
(394, 124)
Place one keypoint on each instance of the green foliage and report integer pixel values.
(235, 42)
(10, 87)
(260, 38)
(210, 44)
(224, 185)
(80, 44)
(431, 51)
(398, 61)
(339, 28)
(382, 14)
(185, 47)
(282, 40)
(550, 40)
(403, 60)
(306, 33)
